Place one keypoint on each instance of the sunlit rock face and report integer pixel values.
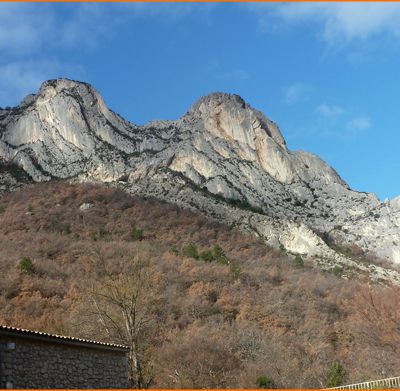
(222, 157)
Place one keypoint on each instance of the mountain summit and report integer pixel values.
(222, 157)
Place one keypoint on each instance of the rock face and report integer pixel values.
(222, 157)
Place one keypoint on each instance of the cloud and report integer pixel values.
(34, 36)
(22, 30)
(358, 124)
(20, 78)
(331, 112)
(27, 28)
(297, 92)
(338, 21)
(333, 123)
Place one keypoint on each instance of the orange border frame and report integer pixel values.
(199, 1)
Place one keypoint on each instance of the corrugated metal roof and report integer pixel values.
(66, 338)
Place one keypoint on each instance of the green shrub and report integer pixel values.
(190, 250)
(207, 256)
(67, 228)
(235, 270)
(26, 265)
(218, 251)
(337, 271)
(298, 261)
(265, 382)
(174, 250)
(136, 234)
(335, 375)
(2, 209)
(55, 225)
(219, 255)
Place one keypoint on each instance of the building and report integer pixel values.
(31, 359)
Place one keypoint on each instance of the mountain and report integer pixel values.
(222, 158)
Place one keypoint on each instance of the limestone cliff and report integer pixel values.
(222, 157)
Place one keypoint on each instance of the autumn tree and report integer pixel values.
(196, 360)
(378, 316)
(121, 301)
(375, 317)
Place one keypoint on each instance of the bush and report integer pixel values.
(190, 250)
(174, 250)
(235, 270)
(26, 265)
(219, 255)
(218, 251)
(337, 271)
(136, 234)
(67, 228)
(335, 375)
(207, 256)
(55, 225)
(298, 261)
(265, 382)
(2, 209)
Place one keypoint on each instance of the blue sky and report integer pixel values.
(327, 73)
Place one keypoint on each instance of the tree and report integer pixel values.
(196, 360)
(298, 261)
(335, 375)
(123, 303)
(378, 316)
(136, 234)
(190, 250)
(26, 265)
(265, 382)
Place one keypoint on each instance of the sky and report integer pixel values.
(327, 73)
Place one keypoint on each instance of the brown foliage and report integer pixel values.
(212, 328)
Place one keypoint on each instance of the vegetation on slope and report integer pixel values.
(219, 308)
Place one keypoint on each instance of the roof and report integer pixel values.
(63, 339)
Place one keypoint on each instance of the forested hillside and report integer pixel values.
(219, 308)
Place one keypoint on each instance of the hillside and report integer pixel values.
(241, 311)
(222, 158)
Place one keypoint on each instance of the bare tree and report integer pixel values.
(122, 301)
(378, 315)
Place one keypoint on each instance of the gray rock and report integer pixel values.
(85, 206)
(222, 158)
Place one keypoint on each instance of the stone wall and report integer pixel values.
(28, 362)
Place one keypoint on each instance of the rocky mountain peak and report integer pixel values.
(230, 117)
(55, 86)
(222, 152)
(216, 99)
(63, 90)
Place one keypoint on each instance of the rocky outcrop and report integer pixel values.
(222, 157)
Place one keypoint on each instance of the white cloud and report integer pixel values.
(20, 78)
(297, 92)
(22, 30)
(27, 28)
(31, 33)
(358, 124)
(30, 28)
(338, 20)
(330, 111)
